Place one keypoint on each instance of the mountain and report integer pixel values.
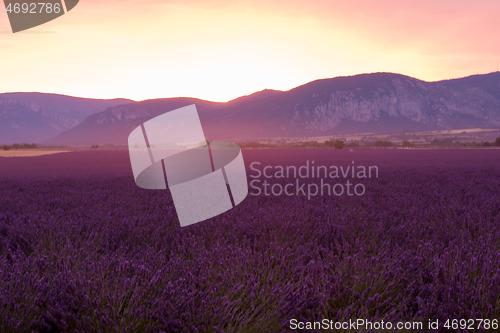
(115, 123)
(34, 117)
(365, 103)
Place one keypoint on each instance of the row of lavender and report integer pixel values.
(97, 254)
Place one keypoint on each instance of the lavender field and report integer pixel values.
(83, 249)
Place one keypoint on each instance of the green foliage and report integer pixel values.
(20, 146)
(329, 143)
(407, 143)
(497, 142)
(442, 142)
(253, 145)
(338, 144)
(310, 144)
(382, 143)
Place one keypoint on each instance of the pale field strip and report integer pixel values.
(30, 153)
(469, 132)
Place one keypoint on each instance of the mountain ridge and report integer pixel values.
(370, 102)
(33, 117)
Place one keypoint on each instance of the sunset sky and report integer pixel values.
(219, 50)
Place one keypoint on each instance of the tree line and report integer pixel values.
(339, 144)
(20, 146)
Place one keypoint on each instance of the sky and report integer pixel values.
(219, 50)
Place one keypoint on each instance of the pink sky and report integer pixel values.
(219, 50)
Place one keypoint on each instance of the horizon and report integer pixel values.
(237, 97)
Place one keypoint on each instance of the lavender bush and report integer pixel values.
(82, 249)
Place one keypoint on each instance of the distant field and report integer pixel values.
(29, 152)
(420, 137)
